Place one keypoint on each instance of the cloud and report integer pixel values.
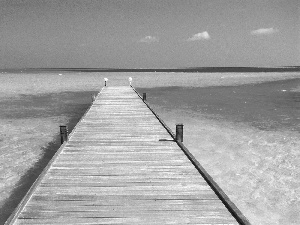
(264, 31)
(149, 39)
(199, 36)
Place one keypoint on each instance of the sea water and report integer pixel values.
(242, 127)
(247, 137)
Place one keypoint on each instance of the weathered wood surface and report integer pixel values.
(114, 170)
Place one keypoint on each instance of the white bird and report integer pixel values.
(105, 79)
(130, 80)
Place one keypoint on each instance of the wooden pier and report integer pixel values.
(120, 165)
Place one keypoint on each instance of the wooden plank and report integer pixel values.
(115, 170)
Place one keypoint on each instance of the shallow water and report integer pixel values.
(29, 138)
(250, 150)
(247, 137)
(35, 83)
(267, 106)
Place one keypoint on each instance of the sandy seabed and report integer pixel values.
(29, 138)
(258, 169)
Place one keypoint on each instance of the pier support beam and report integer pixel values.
(179, 132)
(63, 134)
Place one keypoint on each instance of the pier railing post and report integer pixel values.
(63, 134)
(144, 97)
(179, 132)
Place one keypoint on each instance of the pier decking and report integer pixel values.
(114, 169)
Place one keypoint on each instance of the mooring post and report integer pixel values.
(63, 134)
(144, 96)
(179, 132)
(105, 80)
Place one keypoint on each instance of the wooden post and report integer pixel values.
(144, 96)
(63, 134)
(105, 80)
(179, 132)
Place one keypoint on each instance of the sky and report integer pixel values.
(149, 33)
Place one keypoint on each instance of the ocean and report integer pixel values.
(242, 127)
